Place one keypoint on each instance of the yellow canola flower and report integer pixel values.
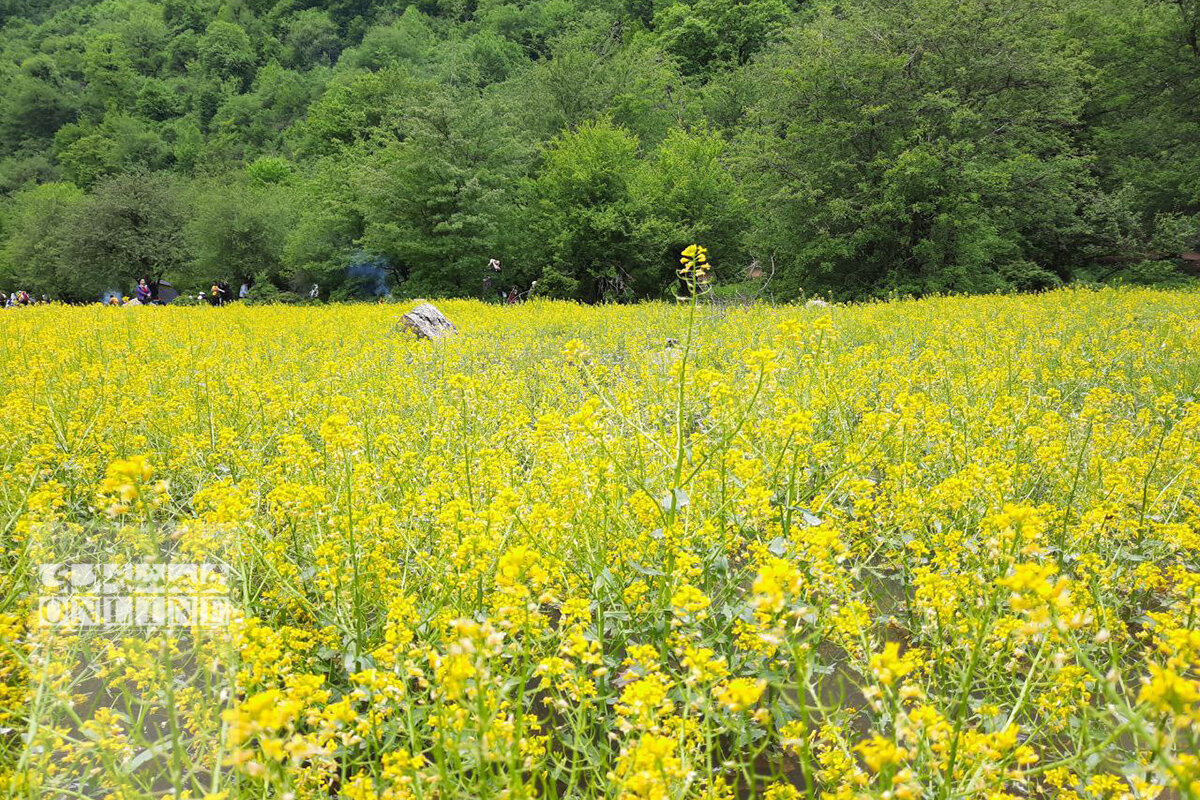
(888, 667)
(879, 753)
(740, 694)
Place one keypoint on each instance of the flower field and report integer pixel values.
(936, 549)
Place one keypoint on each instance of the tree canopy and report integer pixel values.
(856, 149)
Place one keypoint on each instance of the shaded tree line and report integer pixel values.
(855, 149)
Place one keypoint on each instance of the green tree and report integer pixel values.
(588, 215)
(687, 193)
(312, 38)
(924, 145)
(131, 226)
(37, 253)
(226, 51)
(89, 153)
(433, 201)
(1140, 114)
(145, 35)
(482, 59)
(269, 170)
(705, 33)
(356, 107)
(591, 77)
(32, 109)
(329, 223)
(23, 168)
(530, 25)
(159, 100)
(407, 40)
(109, 72)
(237, 231)
(610, 224)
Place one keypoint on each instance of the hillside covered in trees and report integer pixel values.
(855, 149)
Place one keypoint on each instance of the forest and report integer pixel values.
(851, 150)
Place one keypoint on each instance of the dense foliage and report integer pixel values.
(855, 148)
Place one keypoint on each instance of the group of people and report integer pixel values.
(513, 295)
(149, 294)
(220, 293)
(146, 294)
(20, 297)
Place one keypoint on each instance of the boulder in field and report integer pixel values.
(428, 323)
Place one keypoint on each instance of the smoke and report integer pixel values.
(368, 273)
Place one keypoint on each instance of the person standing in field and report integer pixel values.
(143, 292)
(490, 276)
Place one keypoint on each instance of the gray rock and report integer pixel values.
(428, 323)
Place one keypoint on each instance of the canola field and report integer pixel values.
(939, 549)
